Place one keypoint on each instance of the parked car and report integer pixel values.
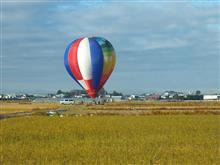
(67, 101)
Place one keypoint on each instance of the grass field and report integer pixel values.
(153, 139)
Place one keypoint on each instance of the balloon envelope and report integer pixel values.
(90, 62)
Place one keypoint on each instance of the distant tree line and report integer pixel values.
(71, 93)
(77, 92)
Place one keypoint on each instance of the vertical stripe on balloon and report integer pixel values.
(66, 63)
(72, 58)
(73, 63)
(109, 59)
(97, 62)
(84, 59)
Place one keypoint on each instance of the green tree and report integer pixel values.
(198, 92)
(59, 92)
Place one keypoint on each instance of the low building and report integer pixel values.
(133, 97)
(211, 97)
(114, 99)
(152, 97)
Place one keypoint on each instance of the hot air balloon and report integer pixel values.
(90, 62)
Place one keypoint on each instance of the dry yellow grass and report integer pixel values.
(12, 107)
(155, 139)
(160, 105)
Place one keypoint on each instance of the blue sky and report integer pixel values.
(161, 45)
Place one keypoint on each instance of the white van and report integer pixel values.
(67, 101)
